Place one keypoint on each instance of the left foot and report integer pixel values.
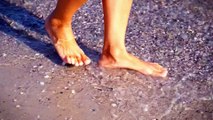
(117, 59)
(63, 39)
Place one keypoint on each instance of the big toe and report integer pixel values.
(164, 72)
(160, 73)
(159, 70)
(153, 71)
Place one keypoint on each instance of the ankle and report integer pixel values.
(114, 52)
(53, 20)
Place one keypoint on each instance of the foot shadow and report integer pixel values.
(18, 22)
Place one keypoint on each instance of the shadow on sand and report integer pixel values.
(26, 21)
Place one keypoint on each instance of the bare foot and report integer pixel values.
(64, 42)
(126, 60)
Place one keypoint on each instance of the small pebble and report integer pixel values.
(14, 100)
(35, 66)
(38, 117)
(66, 88)
(115, 116)
(43, 91)
(73, 92)
(4, 54)
(67, 118)
(21, 93)
(114, 105)
(37, 54)
(46, 76)
(52, 70)
(145, 108)
(42, 83)
(18, 106)
(40, 67)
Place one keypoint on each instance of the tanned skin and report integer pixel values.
(114, 53)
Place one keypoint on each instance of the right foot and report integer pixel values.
(64, 42)
(125, 60)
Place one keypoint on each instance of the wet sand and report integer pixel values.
(35, 85)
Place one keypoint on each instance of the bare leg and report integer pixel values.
(58, 26)
(116, 13)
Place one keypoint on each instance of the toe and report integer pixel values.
(88, 61)
(66, 60)
(85, 59)
(80, 63)
(73, 61)
(163, 73)
(156, 66)
(155, 72)
(78, 60)
(69, 60)
(76, 64)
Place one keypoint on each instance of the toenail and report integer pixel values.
(87, 62)
(81, 63)
(76, 64)
(165, 73)
(72, 61)
(69, 60)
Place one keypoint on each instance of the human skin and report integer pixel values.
(114, 53)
